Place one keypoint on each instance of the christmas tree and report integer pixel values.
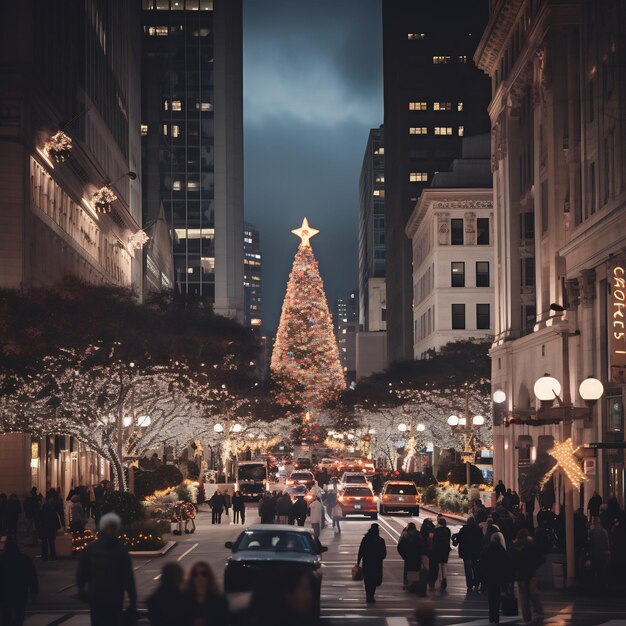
(305, 361)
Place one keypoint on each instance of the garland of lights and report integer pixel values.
(58, 147)
(565, 455)
(137, 241)
(103, 198)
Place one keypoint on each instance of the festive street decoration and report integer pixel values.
(565, 455)
(58, 147)
(102, 199)
(305, 360)
(137, 241)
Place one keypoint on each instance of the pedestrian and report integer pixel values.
(317, 514)
(18, 579)
(470, 542)
(495, 574)
(13, 511)
(593, 506)
(372, 553)
(599, 552)
(515, 499)
(529, 507)
(525, 559)
(331, 500)
(77, 515)
(92, 502)
(500, 490)
(411, 549)
(48, 524)
(283, 508)
(267, 509)
(441, 550)
(52, 495)
(239, 508)
(31, 511)
(105, 575)
(216, 503)
(299, 510)
(167, 604)
(336, 514)
(205, 603)
(227, 502)
(427, 530)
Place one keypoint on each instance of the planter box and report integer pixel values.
(153, 553)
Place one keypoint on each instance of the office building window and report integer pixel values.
(482, 273)
(165, 131)
(527, 226)
(442, 106)
(418, 130)
(438, 60)
(163, 5)
(380, 150)
(415, 36)
(418, 177)
(458, 317)
(459, 106)
(529, 314)
(461, 131)
(144, 130)
(462, 58)
(176, 105)
(482, 231)
(483, 317)
(456, 232)
(443, 130)
(176, 185)
(457, 273)
(379, 193)
(175, 130)
(418, 106)
(528, 272)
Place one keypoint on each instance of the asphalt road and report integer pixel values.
(343, 601)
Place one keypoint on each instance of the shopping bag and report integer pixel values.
(357, 572)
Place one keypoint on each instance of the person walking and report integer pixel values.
(239, 508)
(48, 524)
(500, 490)
(525, 559)
(227, 502)
(372, 553)
(204, 602)
(91, 511)
(494, 573)
(283, 508)
(77, 515)
(167, 603)
(105, 575)
(12, 515)
(299, 510)
(470, 542)
(529, 507)
(317, 514)
(599, 552)
(267, 509)
(427, 530)
(441, 550)
(217, 507)
(593, 506)
(411, 549)
(331, 500)
(18, 580)
(31, 510)
(336, 514)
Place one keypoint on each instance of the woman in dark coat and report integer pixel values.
(18, 579)
(167, 603)
(372, 553)
(411, 549)
(495, 573)
(48, 523)
(205, 603)
(441, 550)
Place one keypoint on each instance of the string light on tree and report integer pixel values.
(565, 455)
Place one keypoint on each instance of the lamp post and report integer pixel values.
(465, 426)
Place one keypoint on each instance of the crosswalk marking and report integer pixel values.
(397, 621)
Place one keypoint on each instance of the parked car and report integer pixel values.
(263, 548)
(400, 495)
(359, 501)
(301, 477)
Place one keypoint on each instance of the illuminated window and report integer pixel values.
(418, 177)
(193, 185)
(443, 130)
(175, 130)
(176, 105)
(418, 130)
(165, 129)
(378, 193)
(163, 5)
(177, 5)
(150, 30)
(437, 60)
(190, 270)
(206, 5)
(417, 106)
(415, 36)
(176, 185)
(166, 105)
(144, 130)
(380, 179)
(442, 106)
(148, 5)
(459, 106)
(204, 106)
(461, 131)
(380, 150)
(462, 59)
(161, 31)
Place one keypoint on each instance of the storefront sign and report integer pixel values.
(616, 311)
(589, 466)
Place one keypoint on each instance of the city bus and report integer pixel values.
(252, 479)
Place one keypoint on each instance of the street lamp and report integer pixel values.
(421, 428)
(547, 389)
(499, 397)
(402, 427)
(237, 428)
(591, 389)
(218, 428)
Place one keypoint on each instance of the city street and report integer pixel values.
(343, 601)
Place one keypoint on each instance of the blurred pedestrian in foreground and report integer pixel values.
(425, 613)
(372, 553)
(12, 515)
(105, 575)
(18, 578)
(167, 604)
(495, 573)
(526, 558)
(205, 603)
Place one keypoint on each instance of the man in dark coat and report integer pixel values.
(31, 510)
(267, 509)
(299, 510)
(593, 506)
(372, 553)
(283, 508)
(105, 575)
(48, 523)
(526, 558)
(17, 578)
(239, 508)
(216, 502)
(441, 550)
(495, 573)
(470, 542)
(411, 549)
(500, 490)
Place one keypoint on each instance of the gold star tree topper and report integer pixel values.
(305, 232)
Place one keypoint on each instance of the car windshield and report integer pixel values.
(401, 490)
(276, 541)
(299, 490)
(357, 491)
(302, 476)
(357, 478)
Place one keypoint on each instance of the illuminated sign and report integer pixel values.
(617, 321)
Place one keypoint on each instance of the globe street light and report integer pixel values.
(421, 428)
(478, 420)
(402, 427)
(237, 428)
(591, 389)
(453, 420)
(218, 428)
(143, 421)
(499, 397)
(547, 389)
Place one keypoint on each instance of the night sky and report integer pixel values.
(312, 91)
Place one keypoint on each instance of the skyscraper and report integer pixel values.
(192, 127)
(433, 96)
(346, 316)
(372, 234)
(252, 277)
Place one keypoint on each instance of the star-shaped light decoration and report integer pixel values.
(305, 232)
(565, 455)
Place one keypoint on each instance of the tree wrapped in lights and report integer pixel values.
(305, 361)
